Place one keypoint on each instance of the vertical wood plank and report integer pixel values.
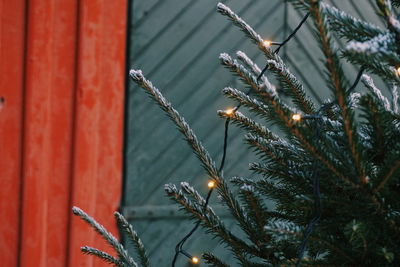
(49, 91)
(12, 35)
(98, 126)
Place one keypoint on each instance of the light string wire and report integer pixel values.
(315, 179)
(316, 192)
(179, 247)
(280, 45)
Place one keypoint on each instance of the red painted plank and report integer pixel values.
(63, 110)
(12, 24)
(49, 91)
(99, 118)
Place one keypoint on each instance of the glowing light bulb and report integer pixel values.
(229, 111)
(195, 260)
(398, 71)
(296, 117)
(267, 43)
(211, 184)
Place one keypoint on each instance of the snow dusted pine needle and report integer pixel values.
(122, 253)
(249, 63)
(179, 121)
(369, 83)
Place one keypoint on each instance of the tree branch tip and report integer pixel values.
(136, 74)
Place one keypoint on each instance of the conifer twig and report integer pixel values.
(336, 77)
(348, 26)
(134, 238)
(369, 83)
(122, 253)
(102, 255)
(190, 137)
(292, 87)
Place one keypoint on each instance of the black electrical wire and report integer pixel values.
(316, 188)
(317, 198)
(280, 45)
(179, 247)
(359, 74)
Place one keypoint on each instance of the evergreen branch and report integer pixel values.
(102, 255)
(253, 104)
(301, 4)
(279, 108)
(348, 26)
(292, 87)
(246, 76)
(257, 212)
(199, 150)
(379, 49)
(256, 70)
(260, 108)
(240, 215)
(248, 124)
(372, 64)
(249, 31)
(211, 260)
(392, 171)
(265, 147)
(369, 83)
(321, 241)
(388, 15)
(122, 253)
(209, 220)
(134, 238)
(179, 121)
(189, 190)
(336, 77)
(395, 95)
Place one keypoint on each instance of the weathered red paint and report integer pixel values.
(63, 146)
(98, 131)
(12, 25)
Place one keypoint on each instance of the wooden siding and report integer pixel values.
(61, 113)
(177, 43)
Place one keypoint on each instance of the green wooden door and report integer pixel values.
(177, 44)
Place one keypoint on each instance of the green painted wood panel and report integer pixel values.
(177, 43)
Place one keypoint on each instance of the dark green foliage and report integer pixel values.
(350, 145)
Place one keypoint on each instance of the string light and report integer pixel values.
(211, 184)
(229, 111)
(267, 43)
(398, 71)
(280, 45)
(296, 117)
(195, 260)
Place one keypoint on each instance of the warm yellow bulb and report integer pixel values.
(195, 260)
(211, 184)
(229, 111)
(296, 117)
(267, 43)
(398, 71)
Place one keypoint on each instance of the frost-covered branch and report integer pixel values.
(122, 253)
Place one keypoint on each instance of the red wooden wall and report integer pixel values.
(61, 112)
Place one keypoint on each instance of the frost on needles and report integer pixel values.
(339, 160)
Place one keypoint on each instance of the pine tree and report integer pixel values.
(332, 171)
